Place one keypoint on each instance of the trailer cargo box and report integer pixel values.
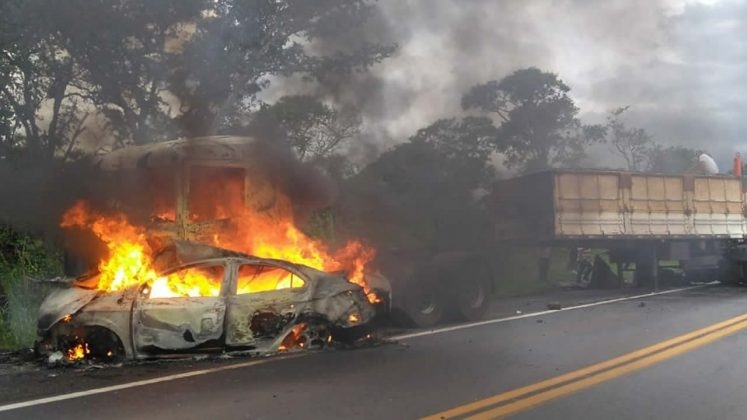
(566, 205)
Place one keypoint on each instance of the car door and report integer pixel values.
(264, 303)
(181, 310)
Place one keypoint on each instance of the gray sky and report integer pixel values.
(679, 64)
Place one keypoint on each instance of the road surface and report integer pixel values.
(674, 355)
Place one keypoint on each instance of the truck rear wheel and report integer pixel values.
(425, 308)
(731, 272)
(472, 294)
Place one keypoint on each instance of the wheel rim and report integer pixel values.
(427, 304)
(476, 297)
(314, 336)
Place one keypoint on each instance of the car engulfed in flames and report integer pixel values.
(206, 299)
(199, 250)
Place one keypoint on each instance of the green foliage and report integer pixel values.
(320, 225)
(22, 258)
(38, 115)
(313, 128)
(672, 159)
(517, 271)
(421, 194)
(157, 69)
(539, 127)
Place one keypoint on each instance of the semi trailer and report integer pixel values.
(639, 218)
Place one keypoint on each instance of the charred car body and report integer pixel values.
(249, 304)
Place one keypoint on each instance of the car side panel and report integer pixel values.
(255, 318)
(177, 323)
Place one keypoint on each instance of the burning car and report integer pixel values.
(199, 298)
(199, 250)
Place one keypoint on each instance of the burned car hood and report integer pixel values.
(63, 302)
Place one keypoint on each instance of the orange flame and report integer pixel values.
(129, 261)
(270, 232)
(78, 352)
(263, 234)
(273, 234)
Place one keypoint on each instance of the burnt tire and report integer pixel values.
(312, 334)
(95, 344)
(105, 346)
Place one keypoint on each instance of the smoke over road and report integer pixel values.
(677, 63)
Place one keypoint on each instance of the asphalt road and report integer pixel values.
(468, 371)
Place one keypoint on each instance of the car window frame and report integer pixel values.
(234, 284)
(226, 281)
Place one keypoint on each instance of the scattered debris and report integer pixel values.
(56, 359)
(554, 306)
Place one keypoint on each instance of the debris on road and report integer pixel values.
(554, 306)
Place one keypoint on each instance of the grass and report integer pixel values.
(22, 258)
(21, 311)
(517, 271)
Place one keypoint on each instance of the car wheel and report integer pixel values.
(106, 347)
(309, 335)
(97, 344)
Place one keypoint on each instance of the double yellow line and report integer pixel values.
(519, 399)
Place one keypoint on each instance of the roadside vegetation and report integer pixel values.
(23, 259)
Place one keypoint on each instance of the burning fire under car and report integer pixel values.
(221, 266)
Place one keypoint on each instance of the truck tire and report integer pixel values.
(730, 272)
(424, 307)
(472, 294)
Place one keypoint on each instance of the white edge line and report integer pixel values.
(535, 314)
(136, 384)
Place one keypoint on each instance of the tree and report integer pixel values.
(127, 51)
(539, 127)
(634, 145)
(671, 159)
(40, 112)
(421, 194)
(228, 59)
(314, 129)
(157, 69)
(464, 146)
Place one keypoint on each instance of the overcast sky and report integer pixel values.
(679, 64)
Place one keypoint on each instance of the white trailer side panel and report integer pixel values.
(568, 204)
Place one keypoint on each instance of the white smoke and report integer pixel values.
(677, 63)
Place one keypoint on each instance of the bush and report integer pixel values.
(22, 258)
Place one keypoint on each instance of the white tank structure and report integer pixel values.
(707, 164)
